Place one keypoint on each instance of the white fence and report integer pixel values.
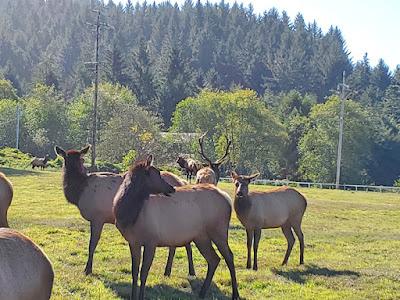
(351, 187)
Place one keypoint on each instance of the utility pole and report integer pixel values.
(98, 24)
(343, 95)
(17, 127)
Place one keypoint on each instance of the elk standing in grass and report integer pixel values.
(40, 162)
(199, 213)
(6, 195)
(211, 173)
(93, 194)
(190, 166)
(25, 271)
(283, 207)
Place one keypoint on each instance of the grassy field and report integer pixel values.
(352, 249)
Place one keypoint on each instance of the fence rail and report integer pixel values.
(351, 187)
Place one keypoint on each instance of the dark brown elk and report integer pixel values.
(6, 195)
(25, 271)
(190, 166)
(282, 207)
(93, 194)
(211, 173)
(145, 218)
(40, 162)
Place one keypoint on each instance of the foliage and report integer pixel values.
(318, 147)
(243, 118)
(13, 158)
(80, 111)
(44, 122)
(128, 159)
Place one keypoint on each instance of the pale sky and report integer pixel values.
(371, 26)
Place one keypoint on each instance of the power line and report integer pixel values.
(344, 93)
(98, 24)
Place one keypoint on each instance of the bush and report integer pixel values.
(13, 158)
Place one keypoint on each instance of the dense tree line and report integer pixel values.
(262, 80)
(164, 52)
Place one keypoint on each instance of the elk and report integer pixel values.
(40, 162)
(6, 195)
(211, 173)
(145, 218)
(282, 207)
(190, 166)
(93, 194)
(25, 270)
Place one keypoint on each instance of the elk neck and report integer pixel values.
(131, 198)
(242, 204)
(74, 183)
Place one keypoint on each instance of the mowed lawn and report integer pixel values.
(352, 249)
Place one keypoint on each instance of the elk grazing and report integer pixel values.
(282, 207)
(211, 173)
(190, 166)
(93, 194)
(6, 195)
(40, 162)
(199, 213)
(25, 271)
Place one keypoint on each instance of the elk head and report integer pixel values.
(214, 165)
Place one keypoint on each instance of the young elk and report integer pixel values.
(25, 271)
(211, 173)
(40, 162)
(191, 213)
(190, 166)
(283, 207)
(93, 194)
(6, 195)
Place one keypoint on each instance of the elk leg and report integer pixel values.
(190, 259)
(212, 258)
(227, 254)
(168, 266)
(257, 236)
(3, 219)
(287, 231)
(95, 233)
(148, 256)
(136, 256)
(300, 236)
(249, 234)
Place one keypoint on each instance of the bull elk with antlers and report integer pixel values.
(211, 173)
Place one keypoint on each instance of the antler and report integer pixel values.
(228, 144)
(201, 140)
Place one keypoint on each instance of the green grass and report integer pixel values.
(352, 249)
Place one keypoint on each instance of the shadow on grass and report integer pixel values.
(300, 276)
(163, 291)
(17, 172)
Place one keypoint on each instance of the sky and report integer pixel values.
(371, 26)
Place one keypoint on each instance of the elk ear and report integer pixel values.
(60, 151)
(85, 150)
(149, 160)
(234, 175)
(252, 177)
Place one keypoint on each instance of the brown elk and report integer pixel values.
(93, 194)
(6, 195)
(40, 162)
(282, 207)
(190, 166)
(25, 271)
(211, 173)
(199, 213)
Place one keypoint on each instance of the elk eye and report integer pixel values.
(237, 184)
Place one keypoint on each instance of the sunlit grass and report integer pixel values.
(352, 249)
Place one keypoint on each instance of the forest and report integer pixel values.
(267, 82)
